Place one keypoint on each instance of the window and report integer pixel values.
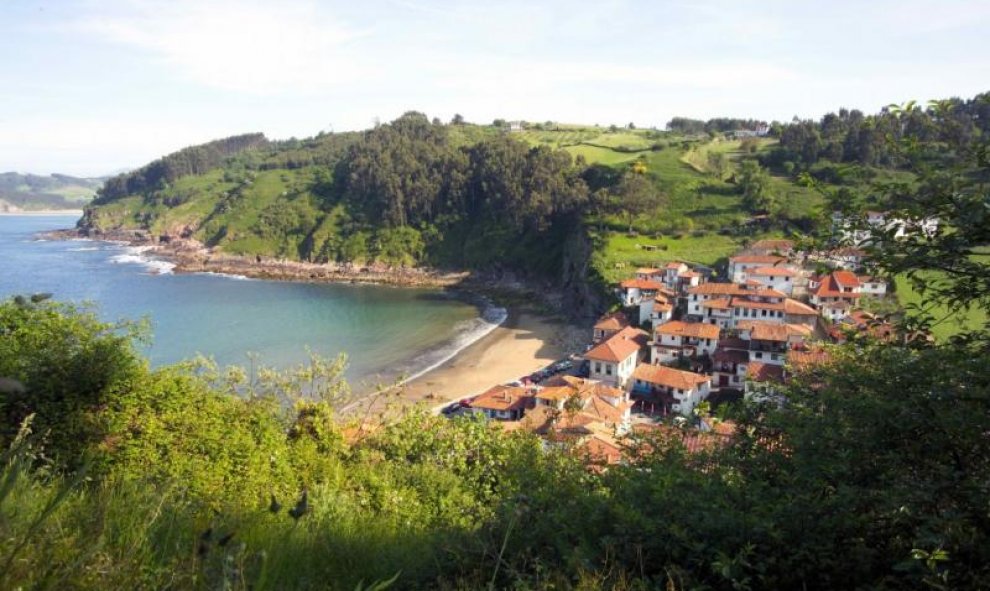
(598, 367)
(774, 356)
(608, 369)
(759, 355)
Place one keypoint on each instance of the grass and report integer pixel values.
(620, 254)
(954, 323)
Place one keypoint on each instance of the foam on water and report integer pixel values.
(136, 255)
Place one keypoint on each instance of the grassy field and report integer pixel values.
(973, 318)
(620, 254)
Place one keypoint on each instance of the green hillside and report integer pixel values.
(57, 191)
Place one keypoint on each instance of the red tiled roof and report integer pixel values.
(772, 331)
(601, 450)
(764, 372)
(845, 278)
(770, 244)
(647, 271)
(675, 265)
(668, 376)
(801, 360)
(689, 329)
(718, 304)
(502, 398)
(619, 347)
(761, 259)
(796, 308)
(731, 356)
(614, 321)
(641, 284)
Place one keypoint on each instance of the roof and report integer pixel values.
(641, 284)
(647, 271)
(668, 376)
(832, 285)
(758, 259)
(502, 398)
(772, 331)
(675, 265)
(796, 308)
(619, 346)
(614, 321)
(733, 289)
(747, 303)
(564, 387)
(718, 304)
(601, 450)
(690, 274)
(733, 343)
(764, 372)
(698, 330)
(801, 360)
(773, 272)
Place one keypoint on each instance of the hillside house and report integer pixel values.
(505, 403)
(633, 291)
(678, 391)
(740, 265)
(781, 279)
(836, 294)
(779, 247)
(858, 230)
(732, 352)
(656, 310)
(676, 339)
(582, 407)
(614, 360)
(608, 325)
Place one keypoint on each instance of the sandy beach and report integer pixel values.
(524, 343)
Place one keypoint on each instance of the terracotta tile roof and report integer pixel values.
(748, 303)
(764, 372)
(772, 331)
(690, 274)
(845, 278)
(796, 308)
(733, 343)
(668, 376)
(801, 360)
(760, 259)
(663, 306)
(564, 387)
(619, 346)
(698, 330)
(614, 321)
(601, 450)
(641, 284)
(502, 398)
(718, 289)
(718, 304)
(773, 272)
(647, 271)
(675, 265)
(606, 412)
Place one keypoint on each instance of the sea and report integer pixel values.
(387, 333)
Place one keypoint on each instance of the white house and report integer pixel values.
(633, 291)
(506, 403)
(858, 230)
(682, 339)
(608, 325)
(682, 390)
(836, 294)
(872, 285)
(777, 278)
(656, 310)
(740, 265)
(614, 360)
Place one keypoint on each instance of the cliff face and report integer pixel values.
(583, 291)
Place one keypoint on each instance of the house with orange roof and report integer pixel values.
(656, 310)
(870, 285)
(613, 360)
(762, 381)
(679, 391)
(741, 265)
(632, 291)
(780, 247)
(676, 339)
(608, 325)
(732, 352)
(507, 403)
(672, 273)
(781, 279)
(836, 294)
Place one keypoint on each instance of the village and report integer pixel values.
(684, 339)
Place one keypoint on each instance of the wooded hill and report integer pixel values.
(420, 192)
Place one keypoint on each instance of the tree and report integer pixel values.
(457, 119)
(718, 164)
(755, 186)
(636, 196)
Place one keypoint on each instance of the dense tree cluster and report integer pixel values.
(686, 125)
(185, 162)
(851, 136)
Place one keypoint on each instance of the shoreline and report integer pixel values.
(528, 338)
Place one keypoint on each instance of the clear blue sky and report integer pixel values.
(90, 86)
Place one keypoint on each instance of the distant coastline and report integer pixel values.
(46, 212)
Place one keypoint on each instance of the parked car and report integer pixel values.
(450, 408)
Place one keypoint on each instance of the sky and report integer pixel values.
(91, 87)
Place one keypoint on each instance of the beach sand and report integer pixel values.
(524, 343)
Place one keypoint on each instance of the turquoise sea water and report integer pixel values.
(385, 331)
